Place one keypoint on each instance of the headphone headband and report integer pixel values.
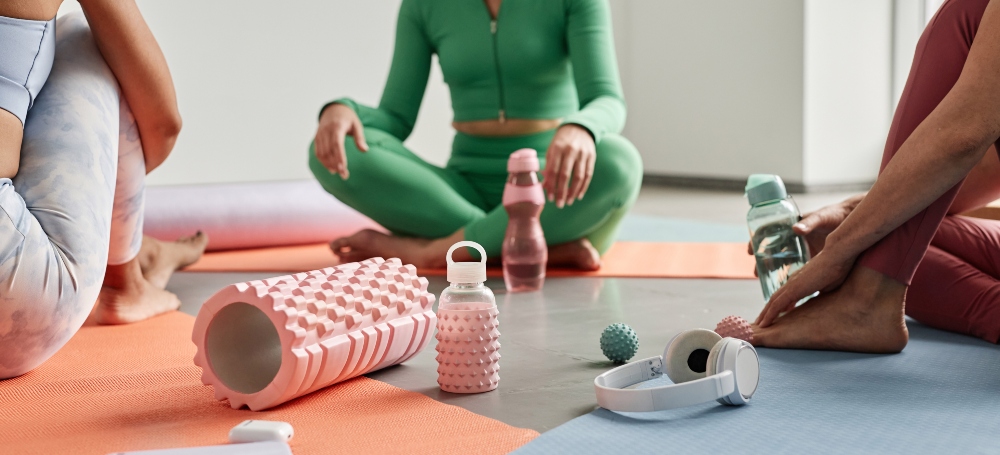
(611, 394)
(730, 376)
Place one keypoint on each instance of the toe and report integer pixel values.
(759, 335)
(351, 256)
(200, 239)
(339, 245)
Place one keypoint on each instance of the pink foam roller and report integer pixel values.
(468, 349)
(264, 342)
(735, 327)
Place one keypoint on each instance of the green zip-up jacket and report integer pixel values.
(540, 59)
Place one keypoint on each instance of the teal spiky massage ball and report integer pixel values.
(619, 342)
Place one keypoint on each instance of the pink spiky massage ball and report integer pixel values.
(735, 327)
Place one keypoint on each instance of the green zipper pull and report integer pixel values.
(503, 116)
(493, 26)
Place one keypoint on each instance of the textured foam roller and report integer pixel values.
(468, 350)
(735, 327)
(250, 215)
(264, 342)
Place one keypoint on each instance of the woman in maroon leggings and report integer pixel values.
(902, 239)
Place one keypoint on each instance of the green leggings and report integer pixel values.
(411, 197)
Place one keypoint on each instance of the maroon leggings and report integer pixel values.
(951, 263)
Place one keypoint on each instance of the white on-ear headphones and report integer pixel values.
(703, 365)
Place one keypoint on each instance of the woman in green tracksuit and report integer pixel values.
(539, 74)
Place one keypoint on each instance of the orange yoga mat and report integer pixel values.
(624, 259)
(134, 387)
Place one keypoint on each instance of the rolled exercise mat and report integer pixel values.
(265, 342)
(133, 387)
(250, 215)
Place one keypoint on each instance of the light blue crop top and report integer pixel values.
(27, 49)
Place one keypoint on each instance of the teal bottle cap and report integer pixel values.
(763, 188)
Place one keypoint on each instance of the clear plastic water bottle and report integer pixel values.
(524, 250)
(778, 250)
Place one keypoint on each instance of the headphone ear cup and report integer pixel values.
(726, 356)
(685, 353)
(712, 365)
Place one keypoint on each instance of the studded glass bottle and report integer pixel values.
(468, 340)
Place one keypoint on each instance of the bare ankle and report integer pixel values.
(871, 286)
(120, 276)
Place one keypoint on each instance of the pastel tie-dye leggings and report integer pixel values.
(74, 207)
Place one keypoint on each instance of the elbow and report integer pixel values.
(170, 127)
(968, 146)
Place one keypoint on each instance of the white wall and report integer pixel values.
(848, 90)
(709, 89)
(727, 88)
(717, 89)
(251, 79)
(908, 24)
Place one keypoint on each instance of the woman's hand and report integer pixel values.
(815, 226)
(569, 164)
(823, 273)
(335, 123)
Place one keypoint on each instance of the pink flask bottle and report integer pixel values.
(468, 341)
(524, 250)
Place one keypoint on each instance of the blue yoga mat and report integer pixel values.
(940, 395)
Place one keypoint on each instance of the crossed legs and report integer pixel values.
(428, 208)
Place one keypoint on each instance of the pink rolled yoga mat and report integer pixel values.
(250, 215)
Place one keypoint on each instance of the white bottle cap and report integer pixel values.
(467, 272)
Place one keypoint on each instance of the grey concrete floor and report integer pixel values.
(550, 339)
(550, 349)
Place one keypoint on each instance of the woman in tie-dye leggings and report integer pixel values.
(71, 186)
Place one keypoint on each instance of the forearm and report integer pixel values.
(595, 68)
(940, 152)
(135, 58)
(156, 150)
(933, 160)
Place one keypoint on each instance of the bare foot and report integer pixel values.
(127, 297)
(159, 260)
(369, 243)
(578, 254)
(427, 253)
(864, 315)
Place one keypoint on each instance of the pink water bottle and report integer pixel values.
(468, 337)
(524, 251)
